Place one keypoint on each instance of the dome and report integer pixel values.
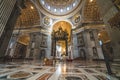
(59, 7)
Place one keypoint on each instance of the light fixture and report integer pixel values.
(61, 10)
(68, 8)
(99, 34)
(55, 10)
(48, 7)
(73, 4)
(32, 7)
(91, 0)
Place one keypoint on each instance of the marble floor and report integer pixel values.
(76, 70)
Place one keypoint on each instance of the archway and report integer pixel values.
(21, 46)
(61, 39)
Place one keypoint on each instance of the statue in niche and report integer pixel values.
(91, 35)
(83, 54)
(42, 54)
(80, 39)
(43, 42)
(95, 54)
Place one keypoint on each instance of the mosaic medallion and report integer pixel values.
(19, 75)
(73, 77)
(45, 76)
(47, 21)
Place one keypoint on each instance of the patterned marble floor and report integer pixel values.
(75, 70)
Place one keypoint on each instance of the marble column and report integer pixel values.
(49, 48)
(75, 46)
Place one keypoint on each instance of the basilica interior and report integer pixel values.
(59, 39)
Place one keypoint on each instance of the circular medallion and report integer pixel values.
(76, 19)
(47, 21)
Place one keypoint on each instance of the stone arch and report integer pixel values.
(64, 39)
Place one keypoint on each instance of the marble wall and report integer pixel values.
(38, 43)
(75, 48)
(91, 48)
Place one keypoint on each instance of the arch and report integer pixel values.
(65, 25)
(61, 35)
(65, 20)
(21, 46)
